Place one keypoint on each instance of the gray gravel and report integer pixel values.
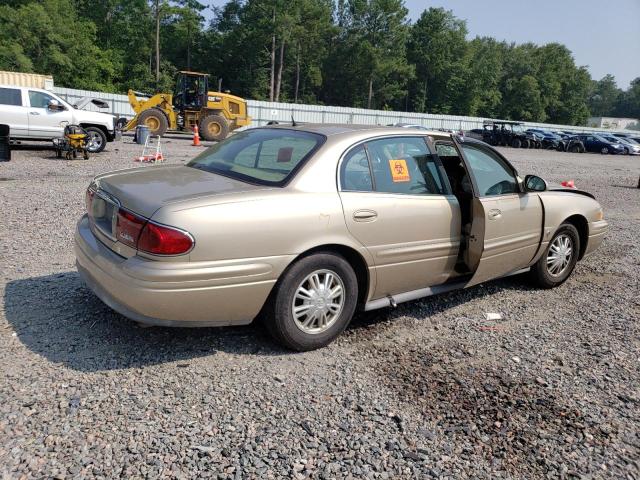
(428, 390)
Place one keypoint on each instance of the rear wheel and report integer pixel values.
(313, 302)
(155, 119)
(214, 127)
(97, 139)
(559, 259)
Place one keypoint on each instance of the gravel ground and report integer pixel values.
(428, 390)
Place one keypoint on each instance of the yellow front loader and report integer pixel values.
(215, 113)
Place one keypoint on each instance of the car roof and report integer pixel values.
(332, 129)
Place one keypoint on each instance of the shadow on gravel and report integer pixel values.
(57, 317)
(438, 303)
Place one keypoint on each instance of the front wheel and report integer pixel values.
(313, 302)
(559, 259)
(604, 150)
(516, 143)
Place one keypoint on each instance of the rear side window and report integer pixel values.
(263, 156)
(404, 165)
(39, 99)
(355, 174)
(10, 96)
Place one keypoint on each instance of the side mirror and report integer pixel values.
(54, 105)
(533, 183)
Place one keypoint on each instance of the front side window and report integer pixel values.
(404, 165)
(39, 99)
(492, 174)
(262, 156)
(10, 96)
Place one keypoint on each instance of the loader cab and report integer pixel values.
(191, 91)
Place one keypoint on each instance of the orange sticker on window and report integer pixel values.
(399, 171)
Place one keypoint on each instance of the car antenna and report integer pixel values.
(293, 122)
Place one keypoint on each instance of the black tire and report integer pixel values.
(155, 119)
(604, 151)
(97, 139)
(626, 151)
(574, 148)
(540, 272)
(214, 128)
(516, 143)
(525, 143)
(538, 144)
(278, 315)
(121, 123)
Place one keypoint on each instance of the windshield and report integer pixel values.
(266, 156)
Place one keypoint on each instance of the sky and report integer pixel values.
(605, 40)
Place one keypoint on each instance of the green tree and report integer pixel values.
(603, 96)
(49, 37)
(437, 48)
(368, 66)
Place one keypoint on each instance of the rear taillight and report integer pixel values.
(137, 232)
(128, 227)
(162, 240)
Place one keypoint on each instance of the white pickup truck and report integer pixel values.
(37, 114)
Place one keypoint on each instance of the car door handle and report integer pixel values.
(364, 215)
(34, 113)
(494, 214)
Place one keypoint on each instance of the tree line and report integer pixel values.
(358, 53)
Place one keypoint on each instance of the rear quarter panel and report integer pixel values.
(279, 223)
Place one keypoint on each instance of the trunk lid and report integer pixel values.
(145, 190)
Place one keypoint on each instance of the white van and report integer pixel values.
(37, 114)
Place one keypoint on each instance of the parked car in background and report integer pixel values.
(549, 139)
(507, 134)
(595, 143)
(37, 114)
(630, 147)
(305, 224)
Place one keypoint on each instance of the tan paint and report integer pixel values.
(247, 235)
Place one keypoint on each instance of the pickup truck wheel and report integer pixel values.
(516, 143)
(214, 128)
(155, 119)
(313, 302)
(525, 143)
(559, 259)
(97, 139)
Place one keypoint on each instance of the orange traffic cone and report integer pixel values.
(196, 136)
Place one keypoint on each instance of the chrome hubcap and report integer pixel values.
(559, 255)
(95, 141)
(318, 301)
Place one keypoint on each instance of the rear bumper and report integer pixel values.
(176, 294)
(597, 232)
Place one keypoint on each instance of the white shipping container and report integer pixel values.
(21, 79)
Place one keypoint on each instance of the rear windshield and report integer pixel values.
(263, 156)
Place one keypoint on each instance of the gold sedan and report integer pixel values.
(305, 224)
